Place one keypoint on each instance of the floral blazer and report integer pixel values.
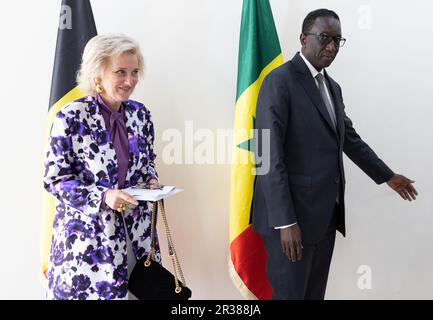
(88, 250)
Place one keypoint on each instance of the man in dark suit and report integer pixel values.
(299, 203)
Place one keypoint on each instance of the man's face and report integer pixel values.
(319, 52)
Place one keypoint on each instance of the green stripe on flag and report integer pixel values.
(258, 44)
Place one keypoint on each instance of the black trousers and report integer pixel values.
(300, 280)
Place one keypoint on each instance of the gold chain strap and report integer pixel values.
(171, 250)
(152, 235)
(158, 207)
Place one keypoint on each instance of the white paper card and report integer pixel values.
(152, 194)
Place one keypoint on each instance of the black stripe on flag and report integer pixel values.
(76, 27)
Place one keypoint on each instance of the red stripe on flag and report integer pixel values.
(249, 260)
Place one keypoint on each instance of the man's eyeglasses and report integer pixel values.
(325, 38)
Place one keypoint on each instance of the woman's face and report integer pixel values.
(119, 79)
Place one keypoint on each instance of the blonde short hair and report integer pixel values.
(98, 52)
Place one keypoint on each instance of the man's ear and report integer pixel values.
(303, 39)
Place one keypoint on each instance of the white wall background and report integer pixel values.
(191, 47)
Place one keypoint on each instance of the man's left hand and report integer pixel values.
(403, 186)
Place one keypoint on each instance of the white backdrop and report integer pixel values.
(190, 48)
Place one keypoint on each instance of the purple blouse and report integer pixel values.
(115, 123)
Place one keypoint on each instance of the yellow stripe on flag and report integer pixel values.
(242, 178)
(72, 95)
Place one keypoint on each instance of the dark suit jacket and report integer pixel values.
(306, 154)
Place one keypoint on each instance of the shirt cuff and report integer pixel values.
(286, 226)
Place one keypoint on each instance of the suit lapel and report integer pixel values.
(308, 83)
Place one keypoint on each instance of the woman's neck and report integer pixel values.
(114, 106)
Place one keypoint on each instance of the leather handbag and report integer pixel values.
(149, 280)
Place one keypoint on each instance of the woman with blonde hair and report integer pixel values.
(99, 145)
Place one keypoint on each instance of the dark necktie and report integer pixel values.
(321, 79)
(329, 107)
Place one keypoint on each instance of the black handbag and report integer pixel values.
(149, 280)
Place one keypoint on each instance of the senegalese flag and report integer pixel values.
(259, 53)
(76, 27)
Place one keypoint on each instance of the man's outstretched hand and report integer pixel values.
(403, 186)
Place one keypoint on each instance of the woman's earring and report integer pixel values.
(98, 87)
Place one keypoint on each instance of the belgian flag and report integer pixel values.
(76, 27)
(259, 53)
